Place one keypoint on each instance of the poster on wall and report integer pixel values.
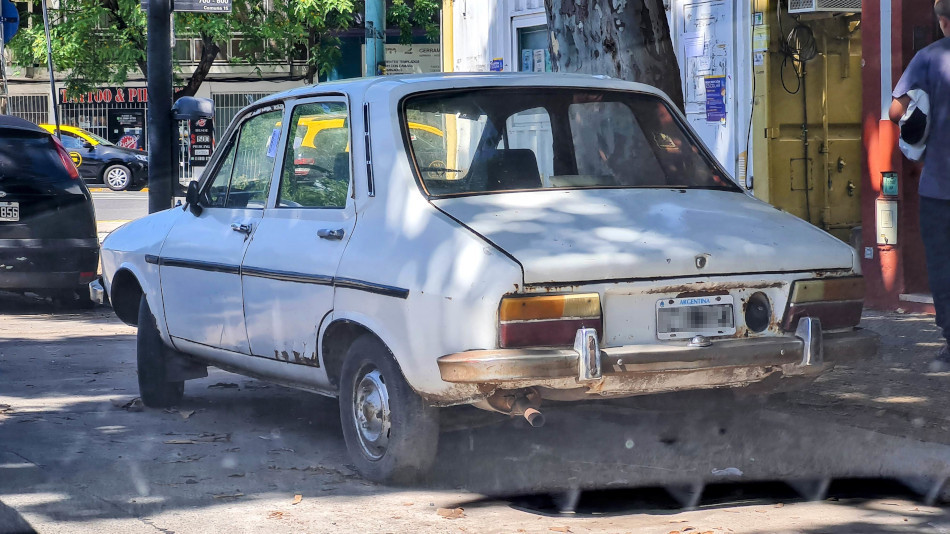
(127, 128)
(715, 98)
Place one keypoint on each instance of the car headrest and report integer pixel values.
(515, 168)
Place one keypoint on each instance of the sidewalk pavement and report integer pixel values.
(899, 392)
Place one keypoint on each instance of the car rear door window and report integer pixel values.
(316, 171)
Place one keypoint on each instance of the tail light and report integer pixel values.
(64, 157)
(547, 320)
(836, 302)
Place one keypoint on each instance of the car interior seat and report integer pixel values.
(515, 168)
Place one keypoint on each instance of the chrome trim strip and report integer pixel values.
(287, 276)
(209, 266)
(367, 145)
(380, 289)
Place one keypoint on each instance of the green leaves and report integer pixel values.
(103, 42)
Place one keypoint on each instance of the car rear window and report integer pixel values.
(530, 138)
(30, 156)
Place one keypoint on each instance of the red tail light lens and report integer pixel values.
(836, 302)
(64, 157)
(548, 320)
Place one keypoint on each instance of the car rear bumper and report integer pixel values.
(642, 369)
(97, 293)
(47, 263)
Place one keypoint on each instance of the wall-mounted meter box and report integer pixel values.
(886, 222)
(889, 184)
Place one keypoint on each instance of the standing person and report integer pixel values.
(929, 72)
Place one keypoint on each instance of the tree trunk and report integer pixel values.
(209, 51)
(626, 39)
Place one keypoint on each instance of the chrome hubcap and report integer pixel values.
(117, 177)
(371, 408)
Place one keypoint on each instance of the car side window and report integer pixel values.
(316, 171)
(243, 177)
(217, 192)
(254, 160)
(71, 142)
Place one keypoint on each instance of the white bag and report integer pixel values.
(918, 101)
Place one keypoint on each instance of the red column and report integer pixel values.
(900, 268)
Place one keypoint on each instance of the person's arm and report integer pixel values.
(899, 108)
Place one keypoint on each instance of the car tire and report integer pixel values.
(155, 389)
(390, 433)
(117, 177)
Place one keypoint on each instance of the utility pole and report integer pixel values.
(375, 37)
(49, 64)
(160, 97)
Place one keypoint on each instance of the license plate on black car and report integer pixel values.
(682, 318)
(9, 211)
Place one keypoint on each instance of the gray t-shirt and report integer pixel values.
(930, 71)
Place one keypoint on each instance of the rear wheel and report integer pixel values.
(117, 177)
(152, 353)
(390, 433)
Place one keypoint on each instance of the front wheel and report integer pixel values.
(391, 434)
(117, 177)
(152, 353)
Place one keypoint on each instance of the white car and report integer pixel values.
(530, 237)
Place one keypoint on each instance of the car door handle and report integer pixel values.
(326, 233)
(242, 228)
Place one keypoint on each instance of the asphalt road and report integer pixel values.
(246, 456)
(119, 205)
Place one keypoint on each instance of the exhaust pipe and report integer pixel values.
(534, 417)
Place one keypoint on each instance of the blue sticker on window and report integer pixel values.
(272, 143)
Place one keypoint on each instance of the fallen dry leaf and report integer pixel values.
(560, 529)
(275, 515)
(451, 513)
(228, 495)
(224, 385)
(133, 405)
(780, 505)
(185, 414)
(297, 498)
(407, 504)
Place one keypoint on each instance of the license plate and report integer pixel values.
(682, 318)
(9, 211)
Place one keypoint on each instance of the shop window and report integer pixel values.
(533, 52)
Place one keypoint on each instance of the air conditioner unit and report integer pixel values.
(824, 6)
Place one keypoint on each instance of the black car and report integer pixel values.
(99, 160)
(48, 241)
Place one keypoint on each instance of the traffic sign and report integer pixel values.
(11, 20)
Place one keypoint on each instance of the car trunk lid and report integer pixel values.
(586, 235)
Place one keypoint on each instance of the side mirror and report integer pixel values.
(191, 197)
(87, 145)
(189, 108)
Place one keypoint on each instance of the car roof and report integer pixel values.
(9, 122)
(458, 80)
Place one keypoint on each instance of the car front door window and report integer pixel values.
(243, 179)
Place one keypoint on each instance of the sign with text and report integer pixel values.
(413, 59)
(201, 142)
(202, 6)
(107, 95)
